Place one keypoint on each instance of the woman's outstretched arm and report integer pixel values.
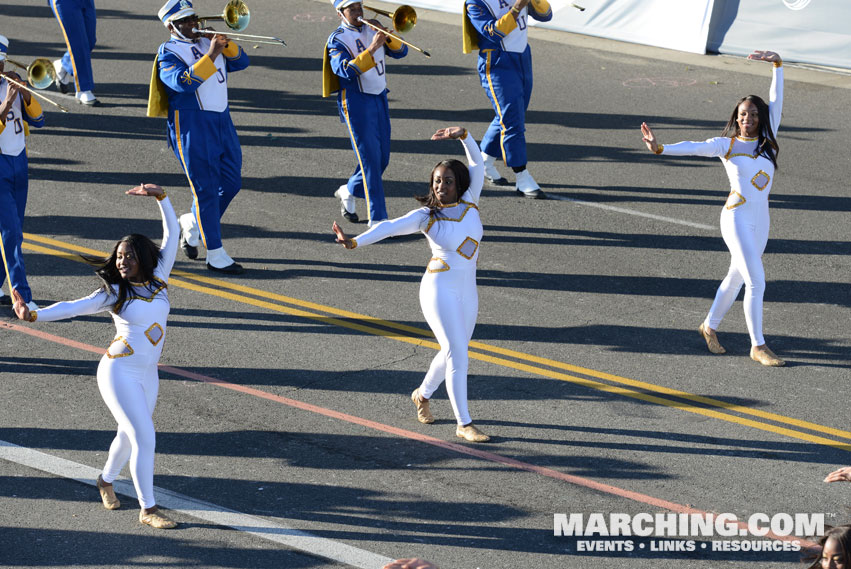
(709, 148)
(411, 222)
(98, 301)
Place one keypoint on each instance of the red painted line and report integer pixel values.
(52, 338)
(461, 449)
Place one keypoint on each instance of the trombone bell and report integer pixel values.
(40, 73)
(404, 18)
(235, 15)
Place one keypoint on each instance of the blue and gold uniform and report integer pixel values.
(360, 81)
(14, 181)
(505, 70)
(200, 130)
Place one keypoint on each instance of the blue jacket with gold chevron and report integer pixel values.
(348, 65)
(191, 79)
(496, 26)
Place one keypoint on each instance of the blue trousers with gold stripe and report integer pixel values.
(368, 120)
(14, 180)
(507, 79)
(78, 22)
(207, 147)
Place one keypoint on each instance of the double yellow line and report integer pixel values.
(535, 365)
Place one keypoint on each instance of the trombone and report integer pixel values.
(236, 16)
(394, 36)
(40, 74)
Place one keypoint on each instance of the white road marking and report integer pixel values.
(636, 212)
(260, 527)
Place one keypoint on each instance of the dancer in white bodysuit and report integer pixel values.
(748, 151)
(135, 293)
(448, 297)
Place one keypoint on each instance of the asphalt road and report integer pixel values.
(285, 434)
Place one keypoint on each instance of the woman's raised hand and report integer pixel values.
(146, 190)
(450, 132)
(765, 56)
(341, 237)
(841, 475)
(649, 137)
(19, 306)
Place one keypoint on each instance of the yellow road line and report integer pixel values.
(363, 326)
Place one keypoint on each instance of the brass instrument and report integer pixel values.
(394, 36)
(41, 75)
(236, 17)
(404, 18)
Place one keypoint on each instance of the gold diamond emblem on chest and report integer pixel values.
(761, 180)
(468, 248)
(154, 333)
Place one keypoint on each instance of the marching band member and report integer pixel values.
(189, 86)
(748, 149)
(78, 22)
(499, 30)
(353, 66)
(135, 293)
(449, 300)
(17, 110)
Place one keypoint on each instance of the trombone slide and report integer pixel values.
(34, 92)
(256, 39)
(394, 36)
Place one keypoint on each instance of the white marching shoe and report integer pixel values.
(219, 261)
(492, 175)
(527, 186)
(347, 203)
(87, 98)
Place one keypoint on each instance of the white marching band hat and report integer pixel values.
(175, 10)
(340, 4)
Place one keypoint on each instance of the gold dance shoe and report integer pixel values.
(423, 414)
(471, 433)
(711, 340)
(766, 357)
(107, 495)
(157, 520)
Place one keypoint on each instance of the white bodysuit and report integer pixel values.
(448, 296)
(127, 373)
(744, 219)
